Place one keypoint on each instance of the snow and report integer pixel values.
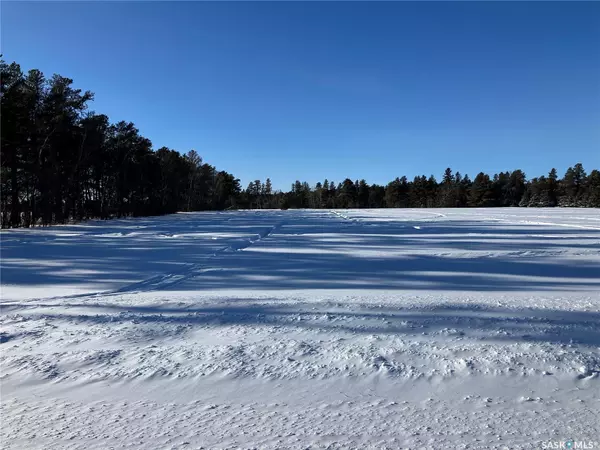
(456, 328)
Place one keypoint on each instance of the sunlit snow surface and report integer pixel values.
(391, 328)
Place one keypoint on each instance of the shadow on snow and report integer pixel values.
(312, 250)
(474, 321)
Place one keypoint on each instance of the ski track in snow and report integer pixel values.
(455, 328)
(171, 279)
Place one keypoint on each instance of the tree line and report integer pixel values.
(61, 162)
(575, 189)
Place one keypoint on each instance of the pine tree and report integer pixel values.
(448, 191)
(572, 186)
(592, 199)
(268, 187)
(60, 162)
(362, 194)
(552, 188)
(346, 197)
(514, 188)
(432, 192)
(481, 192)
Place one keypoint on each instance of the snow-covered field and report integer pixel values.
(433, 328)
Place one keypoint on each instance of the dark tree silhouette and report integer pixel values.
(61, 162)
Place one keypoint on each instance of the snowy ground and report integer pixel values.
(304, 329)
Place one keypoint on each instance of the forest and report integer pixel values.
(61, 162)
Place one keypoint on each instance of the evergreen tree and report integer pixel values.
(514, 188)
(346, 196)
(376, 196)
(552, 188)
(572, 186)
(481, 193)
(592, 199)
(60, 162)
(432, 192)
(362, 194)
(448, 190)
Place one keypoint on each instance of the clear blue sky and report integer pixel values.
(310, 90)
